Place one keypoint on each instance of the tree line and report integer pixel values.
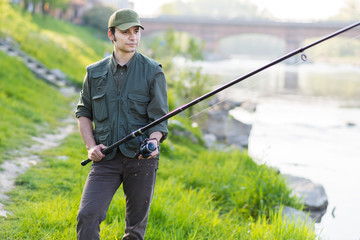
(244, 9)
(44, 6)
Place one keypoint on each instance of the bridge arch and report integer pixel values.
(254, 44)
(213, 30)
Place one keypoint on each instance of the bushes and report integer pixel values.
(98, 17)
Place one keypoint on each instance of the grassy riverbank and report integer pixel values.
(28, 106)
(200, 193)
(56, 44)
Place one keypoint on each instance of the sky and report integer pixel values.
(304, 10)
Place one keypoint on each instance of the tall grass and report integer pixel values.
(195, 198)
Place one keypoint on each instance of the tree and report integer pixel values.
(98, 17)
(45, 5)
(186, 83)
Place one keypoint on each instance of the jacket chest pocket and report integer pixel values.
(138, 106)
(99, 81)
(100, 107)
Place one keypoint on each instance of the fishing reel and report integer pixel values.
(146, 148)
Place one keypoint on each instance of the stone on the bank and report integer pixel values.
(210, 140)
(314, 196)
(297, 216)
(226, 122)
(58, 74)
(179, 130)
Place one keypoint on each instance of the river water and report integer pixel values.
(307, 124)
(319, 141)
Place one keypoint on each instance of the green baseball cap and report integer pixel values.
(124, 19)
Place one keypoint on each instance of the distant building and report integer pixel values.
(76, 10)
(73, 12)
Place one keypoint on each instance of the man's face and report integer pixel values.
(126, 41)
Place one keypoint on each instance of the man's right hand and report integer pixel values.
(95, 154)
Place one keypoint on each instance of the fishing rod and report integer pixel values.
(142, 130)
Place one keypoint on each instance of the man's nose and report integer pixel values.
(132, 35)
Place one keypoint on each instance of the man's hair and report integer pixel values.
(112, 29)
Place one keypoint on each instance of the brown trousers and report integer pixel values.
(105, 177)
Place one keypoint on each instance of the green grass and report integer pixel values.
(69, 48)
(26, 103)
(196, 197)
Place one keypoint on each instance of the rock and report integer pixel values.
(58, 74)
(179, 130)
(228, 128)
(217, 124)
(186, 134)
(210, 140)
(297, 216)
(239, 133)
(249, 106)
(313, 195)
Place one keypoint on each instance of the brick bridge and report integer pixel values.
(213, 30)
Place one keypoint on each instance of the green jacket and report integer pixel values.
(142, 99)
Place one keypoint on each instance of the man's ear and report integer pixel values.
(111, 36)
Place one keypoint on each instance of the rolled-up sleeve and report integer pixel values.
(84, 108)
(158, 105)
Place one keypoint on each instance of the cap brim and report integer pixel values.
(126, 26)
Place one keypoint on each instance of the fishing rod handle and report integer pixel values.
(104, 151)
(83, 163)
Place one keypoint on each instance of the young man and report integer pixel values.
(120, 94)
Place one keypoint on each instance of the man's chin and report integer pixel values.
(130, 50)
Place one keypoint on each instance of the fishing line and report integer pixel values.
(342, 42)
(246, 86)
(303, 58)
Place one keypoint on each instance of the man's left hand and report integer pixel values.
(155, 152)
